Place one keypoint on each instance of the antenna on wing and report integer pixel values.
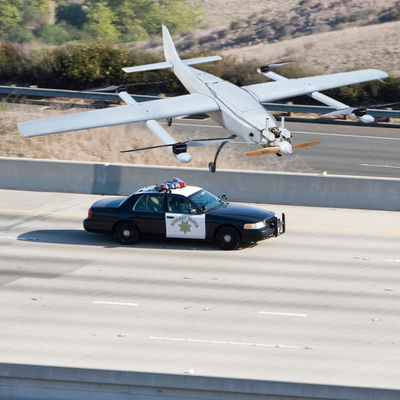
(266, 68)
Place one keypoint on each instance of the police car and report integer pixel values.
(175, 210)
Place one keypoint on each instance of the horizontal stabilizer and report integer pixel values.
(200, 60)
(148, 67)
(166, 64)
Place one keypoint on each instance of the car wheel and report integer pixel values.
(227, 238)
(126, 233)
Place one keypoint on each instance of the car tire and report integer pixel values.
(126, 233)
(227, 238)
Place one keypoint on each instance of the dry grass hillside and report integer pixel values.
(104, 144)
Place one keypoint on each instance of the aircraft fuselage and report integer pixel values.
(240, 113)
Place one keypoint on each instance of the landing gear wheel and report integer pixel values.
(227, 238)
(212, 166)
(126, 233)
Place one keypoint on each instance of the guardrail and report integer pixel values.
(75, 94)
(32, 382)
(243, 186)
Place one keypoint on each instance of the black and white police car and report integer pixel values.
(175, 210)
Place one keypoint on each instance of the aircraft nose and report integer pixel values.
(285, 148)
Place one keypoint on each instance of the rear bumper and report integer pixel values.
(91, 225)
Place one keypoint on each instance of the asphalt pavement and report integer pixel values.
(346, 148)
(319, 304)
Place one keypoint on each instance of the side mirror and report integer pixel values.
(204, 209)
(223, 197)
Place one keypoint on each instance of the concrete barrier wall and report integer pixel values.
(246, 186)
(30, 382)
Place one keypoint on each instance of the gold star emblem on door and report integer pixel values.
(184, 227)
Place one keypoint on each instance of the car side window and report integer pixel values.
(178, 204)
(152, 203)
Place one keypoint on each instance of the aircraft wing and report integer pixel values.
(155, 109)
(282, 89)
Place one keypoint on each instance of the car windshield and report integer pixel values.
(205, 200)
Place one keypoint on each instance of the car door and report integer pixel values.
(149, 213)
(181, 221)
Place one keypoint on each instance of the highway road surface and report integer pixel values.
(319, 304)
(346, 148)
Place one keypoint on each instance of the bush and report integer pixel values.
(92, 64)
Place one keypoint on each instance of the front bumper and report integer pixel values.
(280, 225)
(274, 227)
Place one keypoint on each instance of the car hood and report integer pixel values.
(108, 203)
(247, 213)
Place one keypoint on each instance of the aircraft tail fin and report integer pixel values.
(170, 52)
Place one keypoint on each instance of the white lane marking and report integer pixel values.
(282, 314)
(392, 260)
(223, 342)
(350, 136)
(113, 303)
(18, 238)
(380, 166)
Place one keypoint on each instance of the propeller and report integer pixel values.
(274, 150)
(180, 147)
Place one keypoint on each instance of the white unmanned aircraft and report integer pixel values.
(237, 109)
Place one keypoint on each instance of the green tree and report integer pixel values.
(178, 15)
(72, 13)
(133, 19)
(100, 22)
(10, 15)
(19, 34)
(35, 13)
(53, 34)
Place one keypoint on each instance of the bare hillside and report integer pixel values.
(223, 12)
(372, 46)
(324, 35)
(317, 12)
